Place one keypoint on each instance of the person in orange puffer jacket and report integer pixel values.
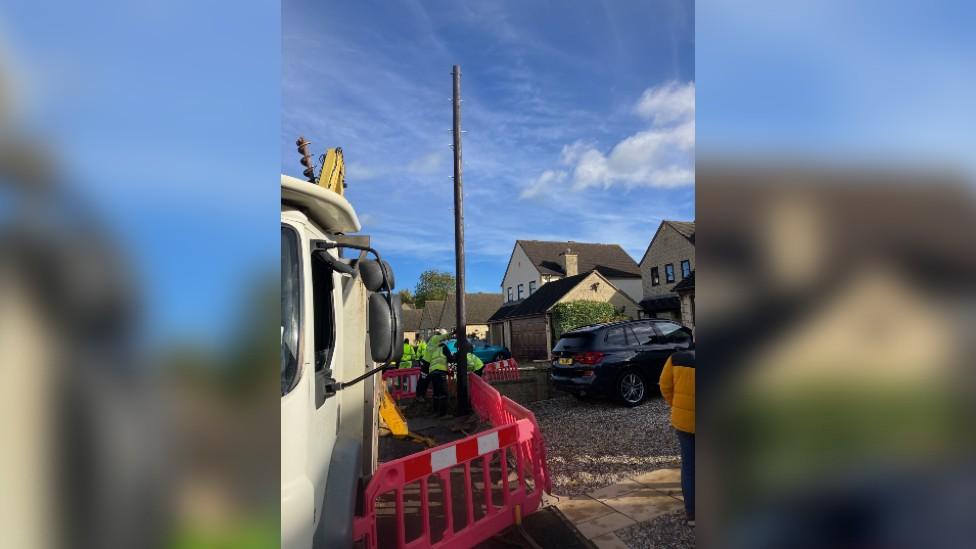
(678, 388)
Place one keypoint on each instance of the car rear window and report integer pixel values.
(574, 342)
(617, 337)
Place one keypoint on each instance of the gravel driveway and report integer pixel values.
(596, 443)
(666, 531)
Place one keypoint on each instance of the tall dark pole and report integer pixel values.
(464, 404)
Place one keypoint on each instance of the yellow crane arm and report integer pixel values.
(333, 174)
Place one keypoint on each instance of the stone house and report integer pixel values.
(669, 260)
(430, 317)
(478, 309)
(534, 263)
(526, 327)
(686, 295)
(411, 322)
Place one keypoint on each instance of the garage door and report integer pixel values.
(529, 338)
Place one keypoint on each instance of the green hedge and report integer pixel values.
(573, 314)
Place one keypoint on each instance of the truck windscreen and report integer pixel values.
(291, 299)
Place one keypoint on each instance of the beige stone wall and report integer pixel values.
(668, 247)
(687, 310)
(596, 288)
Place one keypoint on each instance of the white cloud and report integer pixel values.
(671, 102)
(543, 183)
(661, 156)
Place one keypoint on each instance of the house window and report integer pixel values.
(685, 269)
(509, 293)
(531, 287)
(669, 273)
(655, 277)
(520, 289)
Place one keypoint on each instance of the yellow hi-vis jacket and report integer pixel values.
(474, 363)
(434, 354)
(678, 388)
(406, 361)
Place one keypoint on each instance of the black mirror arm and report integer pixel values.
(339, 385)
(330, 245)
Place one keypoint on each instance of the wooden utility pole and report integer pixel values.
(464, 402)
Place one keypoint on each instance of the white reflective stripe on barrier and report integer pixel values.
(487, 443)
(442, 459)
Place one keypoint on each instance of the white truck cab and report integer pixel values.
(339, 319)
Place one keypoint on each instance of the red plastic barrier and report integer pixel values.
(490, 405)
(502, 370)
(515, 435)
(402, 382)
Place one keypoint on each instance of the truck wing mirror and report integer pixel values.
(377, 276)
(385, 327)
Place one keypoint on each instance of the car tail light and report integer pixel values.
(589, 357)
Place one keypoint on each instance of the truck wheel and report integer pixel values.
(631, 388)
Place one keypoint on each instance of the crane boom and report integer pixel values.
(333, 174)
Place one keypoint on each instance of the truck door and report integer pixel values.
(309, 419)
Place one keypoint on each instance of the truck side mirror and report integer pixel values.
(377, 276)
(385, 327)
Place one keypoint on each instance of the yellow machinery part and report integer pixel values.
(393, 419)
(333, 174)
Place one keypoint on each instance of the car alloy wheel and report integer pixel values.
(631, 388)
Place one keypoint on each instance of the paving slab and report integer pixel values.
(609, 541)
(582, 508)
(643, 504)
(604, 524)
(667, 481)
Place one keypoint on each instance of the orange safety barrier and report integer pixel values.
(402, 382)
(502, 370)
(506, 464)
(490, 405)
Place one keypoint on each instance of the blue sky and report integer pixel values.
(881, 82)
(168, 131)
(580, 121)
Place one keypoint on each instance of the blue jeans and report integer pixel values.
(687, 443)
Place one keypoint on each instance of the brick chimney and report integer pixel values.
(570, 263)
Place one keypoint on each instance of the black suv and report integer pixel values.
(620, 359)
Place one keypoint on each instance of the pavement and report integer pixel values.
(622, 515)
(601, 514)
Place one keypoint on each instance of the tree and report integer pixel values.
(406, 296)
(433, 285)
